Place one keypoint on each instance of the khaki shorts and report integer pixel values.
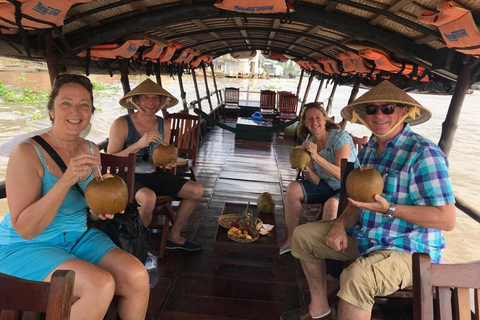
(379, 273)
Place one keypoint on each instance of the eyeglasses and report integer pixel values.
(385, 108)
(146, 153)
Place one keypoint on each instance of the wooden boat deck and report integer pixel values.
(189, 287)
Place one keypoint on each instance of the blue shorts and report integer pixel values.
(34, 261)
(319, 193)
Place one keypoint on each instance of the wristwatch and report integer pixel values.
(391, 211)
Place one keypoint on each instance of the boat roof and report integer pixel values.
(316, 29)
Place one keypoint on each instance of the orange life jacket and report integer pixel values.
(331, 68)
(168, 52)
(383, 62)
(276, 56)
(112, 51)
(183, 55)
(51, 11)
(153, 52)
(347, 62)
(360, 65)
(255, 6)
(456, 25)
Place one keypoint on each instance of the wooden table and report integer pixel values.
(250, 124)
(227, 251)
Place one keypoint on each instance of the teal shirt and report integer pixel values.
(336, 139)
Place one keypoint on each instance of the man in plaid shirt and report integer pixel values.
(417, 202)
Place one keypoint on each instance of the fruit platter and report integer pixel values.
(244, 228)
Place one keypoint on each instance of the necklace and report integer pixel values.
(58, 145)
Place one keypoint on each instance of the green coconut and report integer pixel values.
(265, 203)
(299, 158)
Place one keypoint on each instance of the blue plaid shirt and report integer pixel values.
(414, 171)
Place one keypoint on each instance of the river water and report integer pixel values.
(464, 156)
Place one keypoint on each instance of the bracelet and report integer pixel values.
(306, 169)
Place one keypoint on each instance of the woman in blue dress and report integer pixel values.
(46, 227)
(327, 145)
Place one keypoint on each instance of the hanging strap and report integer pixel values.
(54, 155)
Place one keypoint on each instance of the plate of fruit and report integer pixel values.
(246, 228)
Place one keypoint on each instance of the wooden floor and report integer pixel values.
(189, 287)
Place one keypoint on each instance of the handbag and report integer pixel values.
(128, 232)
(125, 230)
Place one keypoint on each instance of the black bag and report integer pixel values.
(128, 232)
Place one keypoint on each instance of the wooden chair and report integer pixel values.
(185, 135)
(267, 103)
(441, 291)
(232, 104)
(287, 109)
(25, 299)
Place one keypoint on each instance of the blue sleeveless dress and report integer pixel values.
(65, 238)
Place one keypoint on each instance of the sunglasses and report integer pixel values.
(385, 108)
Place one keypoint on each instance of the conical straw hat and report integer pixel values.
(386, 92)
(149, 87)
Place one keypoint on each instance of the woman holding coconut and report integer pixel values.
(46, 228)
(327, 145)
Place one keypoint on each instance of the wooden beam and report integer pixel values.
(275, 25)
(206, 87)
(393, 9)
(51, 56)
(332, 5)
(449, 126)
(139, 6)
(183, 94)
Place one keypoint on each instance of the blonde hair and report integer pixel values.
(302, 130)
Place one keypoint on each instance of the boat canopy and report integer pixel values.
(408, 42)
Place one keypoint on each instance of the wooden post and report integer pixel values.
(206, 87)
(51, 56)
(157, 73)
(332, 94)
(199, 101)
(353, 96)
(219, 98)
(300, 82)
(319, 88)
(310, 79)
(183, 94)
(123, 64)
(449, 126)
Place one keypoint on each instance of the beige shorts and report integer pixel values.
(379, 273)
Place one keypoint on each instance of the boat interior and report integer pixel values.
(413, 43)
